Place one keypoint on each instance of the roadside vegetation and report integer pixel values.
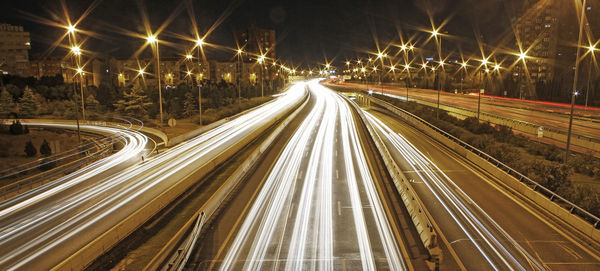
(577, 181)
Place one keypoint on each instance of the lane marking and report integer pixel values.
(339, 205)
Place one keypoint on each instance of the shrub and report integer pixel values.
(45, 149)
(30, 150)
(16, 128)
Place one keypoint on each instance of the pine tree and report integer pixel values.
(134, 103)
(6, 103)
(190, 105)
(28, 105)
(30, 149)
(91, 103)
(45, 149)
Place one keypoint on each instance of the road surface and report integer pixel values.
(319, 206)
(486, 226)
(549, 115)
(42, 231)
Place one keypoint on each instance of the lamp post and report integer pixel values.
(76, 50)
(154, 41)
(576, 74)
(438, 42)
(261, 60)
(239, 79)
(591, 50)
(199, 43)
(71, 33)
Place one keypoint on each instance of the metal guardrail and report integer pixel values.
(571, 207)
(183, 253)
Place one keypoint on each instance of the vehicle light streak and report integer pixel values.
(498, 248)
(290, 225)
(41, 231)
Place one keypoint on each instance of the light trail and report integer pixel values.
(495, 245)
(40, 232)
(291, 224)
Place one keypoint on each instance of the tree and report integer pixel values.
(16, 128)
(134, 103)
(45, 149)
(28, 104)
(189, 105)
(91, 103)
(6, 103)
(30, 150)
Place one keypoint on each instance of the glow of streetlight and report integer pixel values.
(497, 67)
(424, 65)
(348, 63)
(141, 71)
(362, 69)
(71, 29)
(374, 68)
(200, 42)
(261, 58)
(151, 39)
(592, 48)
(434, 33)
(240, 51)
(379, 55)
(487, 70)
(76, 50)
(392, 68)
(79, 70)
(327, 66)
(484, 61)
(188, 56)
(411, 47)
(522, 56)
(406, 66)
(464, 64)
(403, 47)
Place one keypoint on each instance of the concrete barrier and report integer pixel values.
(419, 216)
(547, 200)
(86, 255)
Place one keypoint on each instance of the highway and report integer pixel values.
(485, 226)
(546, 114)
(39, 232)
(318, 207)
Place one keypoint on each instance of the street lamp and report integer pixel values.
(575, 77)
(153, 40)
(199, 43)
(239, 53)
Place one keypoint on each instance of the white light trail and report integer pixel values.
(293, 212)
(45, 230)
(499, 249)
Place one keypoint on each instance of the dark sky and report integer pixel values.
(308, 31)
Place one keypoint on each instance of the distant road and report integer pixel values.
(549, 115)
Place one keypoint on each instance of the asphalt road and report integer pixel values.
(486, 226)
(549, 115)
(41, 231)
(318, 207)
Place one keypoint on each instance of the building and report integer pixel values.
(14, 50)
(548, 31)
(49, 66)
(256, 41)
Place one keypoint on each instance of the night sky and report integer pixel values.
(308, 32)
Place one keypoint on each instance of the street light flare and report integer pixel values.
(200, 42)
(151, 39)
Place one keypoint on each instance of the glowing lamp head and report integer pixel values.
(240, 51)
(403, 47)
(434, 33)
(406, 66)
(522, 56)
(141, 71)
(411, 47)
(392, 68)
(348, 63)
(464, 64)
(496, 67)
(424, 65)
(120, 75)
(76, 50)
(189, 73)
(151, 39)
(363, 69)
(79, 70)
(188, 57)
(71, 29)
(591, 48)
(487, 70)
(200, 42)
